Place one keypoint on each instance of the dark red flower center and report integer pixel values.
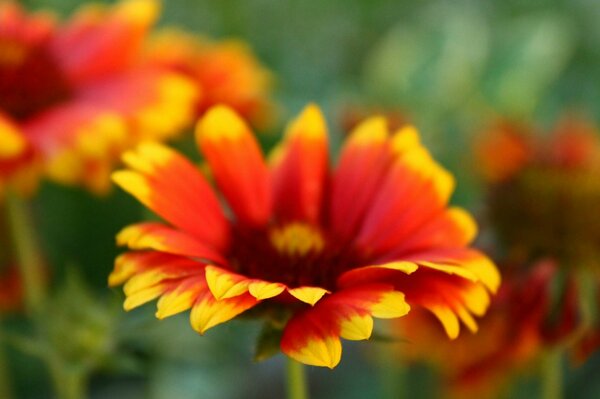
(30, 79)
(296, 254)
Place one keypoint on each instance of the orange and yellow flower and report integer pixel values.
(523, 320)
(225, 72)
(74, 96)
(330, 249)
(503, 150)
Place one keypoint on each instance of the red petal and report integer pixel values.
(98, 42)
(161, 238)
(363, 161)
(171, 186)
(414, 190)
(237, 164)
(312, 336)
(300, 168)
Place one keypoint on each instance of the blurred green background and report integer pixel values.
(450, 67)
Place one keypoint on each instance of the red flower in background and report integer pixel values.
(331, 249)
(73, 96)
(524, 318)
(225, 72)
(542, 195)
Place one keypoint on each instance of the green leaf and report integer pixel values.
(268, 342)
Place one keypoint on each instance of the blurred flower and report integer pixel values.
(545, 204)
(74, 96)
(225, 72)
(523, 319)
(325, 250)
(502, 151)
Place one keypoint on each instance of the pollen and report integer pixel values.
(297, 239)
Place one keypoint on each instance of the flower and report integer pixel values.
(225, 72)
(545, 206)
(74, 96)
(541, 194)
(523, 320)
(503, 150)
(330, 249)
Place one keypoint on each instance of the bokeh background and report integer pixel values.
(449, 67)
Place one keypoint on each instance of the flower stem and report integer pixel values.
(69, 383)
(552, 375)
(5, 385)
(29, 259)
(296, 380)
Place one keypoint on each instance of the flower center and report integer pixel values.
(297, 239)
(30, 79)
(296, 254)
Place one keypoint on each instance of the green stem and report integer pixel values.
(68, 383)
(5, 385)
(552, 386)
(29, 259)
(392, 373)
(296, 380)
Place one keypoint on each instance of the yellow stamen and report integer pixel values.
(297, 239)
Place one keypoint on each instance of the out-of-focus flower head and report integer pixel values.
(503, 150)
(545, 206)
(74, 95)
(319, 252)
(225, 72)
(524, 318)
(544, 203)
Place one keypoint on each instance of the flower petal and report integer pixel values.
(356, 327)
(101, 41)
(263, 289)
(13, 141)
(449, 297)
(312, 336)
(224, 284)
(465, 262)
(414, 190)
(132, 263)
(143, 296)
(447, 317)
(80, 142)
(19, 162)
(181, 298)
(171, 186)
(227, 71)
(236, 163)
(300, 170)
(363, 161)
(374, 273)
(162, 238)
(309, 340)
(452, 228)
(310, 295)
(158, 104)
(209, 312)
